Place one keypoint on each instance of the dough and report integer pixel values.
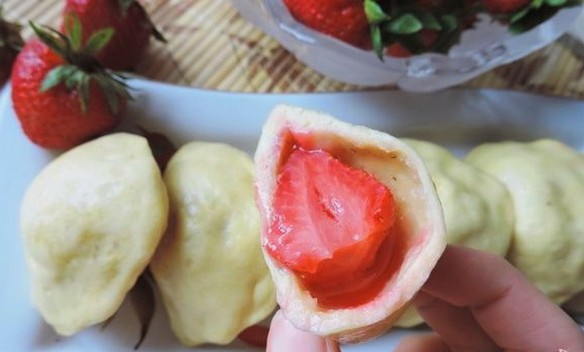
(420, 221)
(546, 182)
(477, 207)
(91, 221)
(209, 266)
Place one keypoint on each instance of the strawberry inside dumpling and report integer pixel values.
(351, 223)
(332, 225)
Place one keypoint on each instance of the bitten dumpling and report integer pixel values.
(477, 207)
(209, 266)
(91, 221)
(351, 223)
(546, 182)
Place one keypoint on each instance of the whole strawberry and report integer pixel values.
(128, 19)
(61, 95)
(10, 44)
(342, 19)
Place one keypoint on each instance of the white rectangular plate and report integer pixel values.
(458, 119)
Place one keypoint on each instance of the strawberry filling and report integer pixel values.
(334, 226)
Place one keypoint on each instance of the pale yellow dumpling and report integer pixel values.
(209, 266)
(546, 182)
(91, 221)
(478, 209)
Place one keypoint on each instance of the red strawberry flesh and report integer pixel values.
(333, 226)
(342, 19)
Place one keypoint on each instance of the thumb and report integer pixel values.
(284, 337)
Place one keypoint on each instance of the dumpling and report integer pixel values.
(209, 266)
(477, 207)
(91, 221)
(351, 223)
(546, 182)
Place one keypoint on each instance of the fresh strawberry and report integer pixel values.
(342, 19)
(497, 7)
(10, 44)
(329, 219)
(60, 93)
(130, 22)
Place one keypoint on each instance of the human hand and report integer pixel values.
(474, 301)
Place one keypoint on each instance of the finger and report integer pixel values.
(509, 309)
(422, 343)
(455, 325)
(284, 337)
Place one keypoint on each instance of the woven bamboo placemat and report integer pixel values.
(210, 46)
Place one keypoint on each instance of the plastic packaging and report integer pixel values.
(486, 46)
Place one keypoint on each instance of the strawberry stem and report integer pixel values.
(81, 66)
(408, 23)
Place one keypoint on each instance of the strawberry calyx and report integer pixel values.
(125, 6)
(81, 67)
(400, 28)
(408, 25)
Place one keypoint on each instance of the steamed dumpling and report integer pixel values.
(478, 210)
(91, 221)
(546, 182)
(292, 134)
(209, 266)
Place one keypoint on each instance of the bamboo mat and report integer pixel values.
(210, 46)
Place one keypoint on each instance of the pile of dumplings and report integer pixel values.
(100, 214)
(522, 201)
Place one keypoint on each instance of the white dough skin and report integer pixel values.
(546, 182)
(478, 210)
(419, 218)
(209, 266)
(91, 221)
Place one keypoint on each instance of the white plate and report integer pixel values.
(458, 119)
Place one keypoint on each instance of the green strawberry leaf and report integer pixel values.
(55, 42)
(404, 24)
(429, 21)
(109, 91)
(536, 4)
(374, 12)
(83, 89)
(517, 16)
(55, 76)
(98, 40)
(449, 22)
(81, 65)
(74, 31)
(556, 3)
(377, 41)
